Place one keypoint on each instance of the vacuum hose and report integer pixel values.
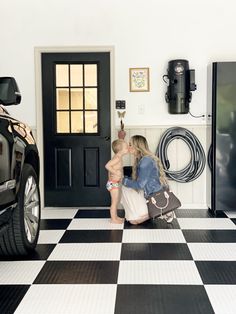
(197, 162)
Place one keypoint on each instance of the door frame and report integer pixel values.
(39, 102)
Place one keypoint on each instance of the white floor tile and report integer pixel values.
(206, 223)
(158, 272)
(153, 236)
(93, 224)
(231, 214)
(222, 298)
(87, 251)
(69, 299)
(19, 272)
(213, 251)
(58, 213)
(50, 236)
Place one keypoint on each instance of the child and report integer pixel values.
(115, 175)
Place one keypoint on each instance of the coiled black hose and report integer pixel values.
(197, 161)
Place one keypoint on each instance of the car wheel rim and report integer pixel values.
(31, 209)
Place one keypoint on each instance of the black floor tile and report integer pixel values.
(198, 213)
(78, 272)
(218, 236)
(11, 296)
(154, 224)
(155, 251)
(90, 236)
(217, 272)
(162, 299)
(234, 220)
(218, 214)
(55, 224)
(93, 213)
(41, 252)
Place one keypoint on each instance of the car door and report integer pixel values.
(7, 183)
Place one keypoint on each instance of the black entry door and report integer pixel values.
(76, 124)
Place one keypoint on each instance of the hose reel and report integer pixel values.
(197, 161)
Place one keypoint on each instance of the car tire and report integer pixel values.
(23, 231)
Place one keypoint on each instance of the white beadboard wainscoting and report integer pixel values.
(192, 194)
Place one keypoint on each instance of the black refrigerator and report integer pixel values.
(221, 136)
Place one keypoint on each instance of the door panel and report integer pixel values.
(76, 121)
(63, 167)
(91, 166)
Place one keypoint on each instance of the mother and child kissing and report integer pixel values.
(148, 176)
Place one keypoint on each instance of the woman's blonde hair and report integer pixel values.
(140, 144)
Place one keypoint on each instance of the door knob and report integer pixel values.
(107, 138)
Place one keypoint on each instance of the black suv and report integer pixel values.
(19, 178)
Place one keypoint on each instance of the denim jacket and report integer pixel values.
(147, 177)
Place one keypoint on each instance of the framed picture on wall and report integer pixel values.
(139, 79)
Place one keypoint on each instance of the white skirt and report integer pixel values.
(134, 203)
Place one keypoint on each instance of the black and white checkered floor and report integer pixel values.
(83, 264)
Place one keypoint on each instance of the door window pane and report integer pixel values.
(90, 71)
(76, 98)
(91, 122)
(62, 75)
(63, 125)
(91, 98)
(62, 98)
(77, 122)
(76, 75)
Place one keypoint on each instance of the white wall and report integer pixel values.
(144, 33)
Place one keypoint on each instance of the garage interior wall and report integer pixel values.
(143, 33)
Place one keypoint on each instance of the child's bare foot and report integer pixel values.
(121, 219)
(117, 220)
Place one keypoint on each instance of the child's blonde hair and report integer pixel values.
(117, 145)
(140, 144)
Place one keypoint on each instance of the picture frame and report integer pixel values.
(139, 80)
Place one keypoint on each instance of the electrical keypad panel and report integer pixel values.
(120, 104)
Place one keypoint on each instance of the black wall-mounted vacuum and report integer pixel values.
(181, 83)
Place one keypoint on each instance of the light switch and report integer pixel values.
(141, 109)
